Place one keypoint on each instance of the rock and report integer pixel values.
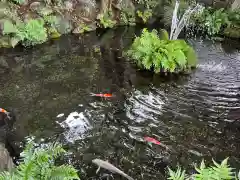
(63, 25)
(53, 33)
(68, 5)
(232, 32)
(35, 5)
(3, 62)
(86, 9)
(14, 41)
(235, 4)
(41, 8)
(6, 162)
(4, 42)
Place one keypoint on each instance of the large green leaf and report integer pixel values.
(9, 27)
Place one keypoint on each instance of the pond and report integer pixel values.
(197, 116)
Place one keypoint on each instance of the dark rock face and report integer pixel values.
(6, 125)
(6, 162)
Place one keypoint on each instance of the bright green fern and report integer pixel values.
(30, 33)
(217, 172)
(161, 55)
(38, 163)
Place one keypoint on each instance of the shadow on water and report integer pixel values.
(196, 116)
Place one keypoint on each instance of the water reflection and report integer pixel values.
(140, 107)
(76, 126)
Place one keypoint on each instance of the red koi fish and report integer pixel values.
(102, 95)
(152, 140)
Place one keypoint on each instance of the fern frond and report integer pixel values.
(63, 172)
(151, 53)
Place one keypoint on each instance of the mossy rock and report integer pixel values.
(53, 33)
(82, 28)
(63, 25)
(5, 42)
(232, 32)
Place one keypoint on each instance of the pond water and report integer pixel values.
(197, 116)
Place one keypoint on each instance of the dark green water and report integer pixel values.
(197, 116)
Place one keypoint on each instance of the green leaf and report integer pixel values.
(8, 27)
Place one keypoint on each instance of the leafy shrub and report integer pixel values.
(38, 163)
(212, 20)
(215, 21)
(151, 53)
(31, 33)
(234, 16)
(145, 15)
(217, 172)
(127, 17)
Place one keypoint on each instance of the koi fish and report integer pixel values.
(3, 110)
(152, 140)
(102, 95)
(106, 165)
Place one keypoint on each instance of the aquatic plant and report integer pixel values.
(38, 163)
(216, 172)
(151, 53)
(30, 33)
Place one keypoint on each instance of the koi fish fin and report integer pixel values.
(98, 169)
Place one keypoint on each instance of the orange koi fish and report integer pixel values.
(102, 95)
(3, 111)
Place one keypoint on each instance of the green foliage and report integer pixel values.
(215, 21)
(146, 11)
(178, 175)
(31, 33)
(149, 4)
(212, 20)
(151, 53)
(19, 1)
(127, 17)
(145, 15)
(105, 20)
(84, 28)
(234, 16)
(38, 163)
(216, 172)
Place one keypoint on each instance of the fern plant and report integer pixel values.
(212, 21)
(151, 53)
(216, 172)
(31, 33)
(105, 20)
(38, 163)
(145, 15)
